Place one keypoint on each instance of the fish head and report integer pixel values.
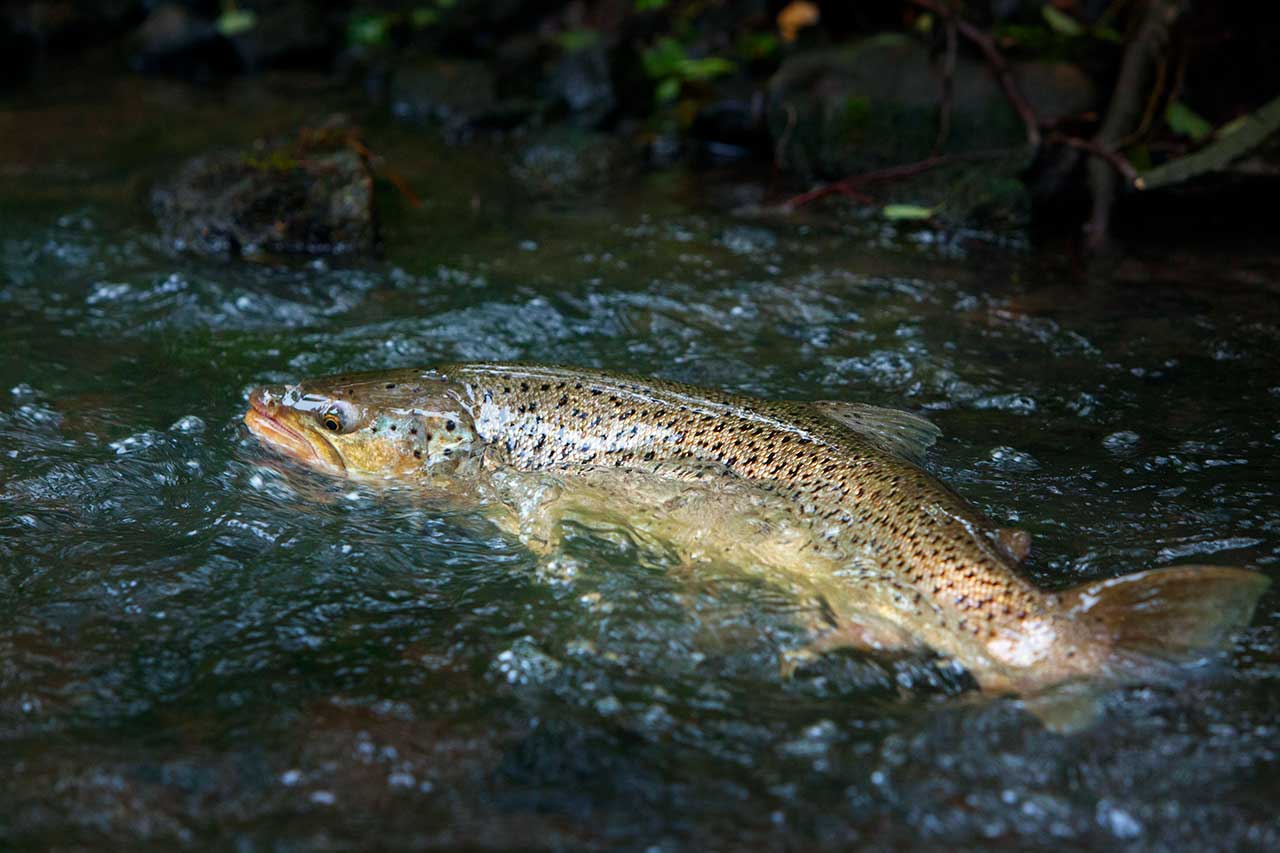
(371, 426)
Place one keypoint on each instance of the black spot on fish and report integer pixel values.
(392, 427)
(450, 426)
(417, 454)
(413, 430)
(524, 386)
(391, 385)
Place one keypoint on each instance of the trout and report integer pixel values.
(828, 499)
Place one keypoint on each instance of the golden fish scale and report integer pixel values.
(922, 539)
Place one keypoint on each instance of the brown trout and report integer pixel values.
(827, 498)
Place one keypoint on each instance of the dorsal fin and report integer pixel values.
(892, 430)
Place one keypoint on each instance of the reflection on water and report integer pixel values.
(202, 643)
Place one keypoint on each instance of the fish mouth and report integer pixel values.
(264, 421)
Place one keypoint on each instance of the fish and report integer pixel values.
(829, 499)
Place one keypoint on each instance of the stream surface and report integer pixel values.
(203, 645)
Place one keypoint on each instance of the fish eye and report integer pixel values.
(331, 421)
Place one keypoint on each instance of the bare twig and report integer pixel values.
(1004, 76)
(1143, 50)
(852, 185)
(1110, 155)
(948, 84)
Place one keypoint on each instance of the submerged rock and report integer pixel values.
(581, 83)
(313, 195)
(876, 104)
(565, 162)
(460, 96)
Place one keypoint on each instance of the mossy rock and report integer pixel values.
(876, 104)
(313, 195)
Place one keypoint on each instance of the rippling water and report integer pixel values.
(202, 644)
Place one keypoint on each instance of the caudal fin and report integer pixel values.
(1181, 614)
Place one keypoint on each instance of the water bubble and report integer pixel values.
(133, 443)
(323, 798)
(1119, 822)
(400, 779)
(188, 424)
(744, 240)
(291, 777)
(525, 663)
(1020, 403)
(1121, 442)
(1009, 459)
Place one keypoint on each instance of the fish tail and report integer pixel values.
(1175, 615)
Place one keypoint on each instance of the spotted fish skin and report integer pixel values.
(900, 557)
(933, 560)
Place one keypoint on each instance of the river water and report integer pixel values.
(203, 645)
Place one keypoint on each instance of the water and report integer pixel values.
(201, 644)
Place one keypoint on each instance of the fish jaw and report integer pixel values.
(277, 428)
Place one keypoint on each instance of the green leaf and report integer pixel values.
(907, 212)
(650, 5)
(422, 17)
(757, 45)
(668, 90)
(664, 58)
(572, 41)
(1104, 33)
(368, 29)
(707, 68)
(234, 22)
(1060, 22)
(1184, 120)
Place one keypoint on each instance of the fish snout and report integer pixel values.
(265, 400)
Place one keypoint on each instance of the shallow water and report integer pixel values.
(202, 644)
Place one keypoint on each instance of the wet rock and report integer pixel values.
(458, 95)
(311, 195)
(179, 41)
(31, 31)
(18, 50)
(566, 162)
(293, 33)
(845, 111)
(581, 84)
(732, 125)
